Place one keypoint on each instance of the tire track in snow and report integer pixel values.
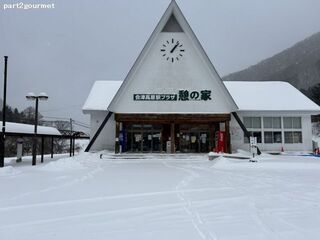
(160, 207)
(87, 176)
(196, 219)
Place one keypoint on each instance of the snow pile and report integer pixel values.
(316, 129)
(29, 129)
(82, 144)
(8, 171)
(316, 133)
(63, 164)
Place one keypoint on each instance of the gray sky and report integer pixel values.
(62, 51)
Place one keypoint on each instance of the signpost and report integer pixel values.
(253, 148)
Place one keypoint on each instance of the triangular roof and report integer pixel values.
(178, 16)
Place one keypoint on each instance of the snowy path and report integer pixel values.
(161, 197)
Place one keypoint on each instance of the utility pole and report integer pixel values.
(4, 103)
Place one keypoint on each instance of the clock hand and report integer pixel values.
(174, 47)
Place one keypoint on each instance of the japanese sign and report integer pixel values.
(182, 95)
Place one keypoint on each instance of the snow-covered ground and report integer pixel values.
(161, 197)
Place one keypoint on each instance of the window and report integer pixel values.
(272, 137)
(252, 122)
(276, 129)
(267, 122)
(292, 125)
(254, 134)
(293, 137)
(292, 122)
(296, 122)
(272, 122)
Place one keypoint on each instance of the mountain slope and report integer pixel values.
(298, 65)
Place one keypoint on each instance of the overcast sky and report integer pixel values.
(62, 51)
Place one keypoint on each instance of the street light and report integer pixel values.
(3, 135)
(31, 96)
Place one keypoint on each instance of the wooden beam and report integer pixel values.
(168, 118)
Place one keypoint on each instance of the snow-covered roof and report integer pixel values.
(29, 129)
(249, 96)
(101, 94)
(269, 96)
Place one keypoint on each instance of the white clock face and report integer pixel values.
(172, 50)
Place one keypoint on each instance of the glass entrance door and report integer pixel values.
(136, 142)
(203, 141)
(143, 138)
(147, 142)
(156, 141)
(194, 142)
(194, 138)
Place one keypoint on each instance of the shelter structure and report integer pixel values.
(21, 130)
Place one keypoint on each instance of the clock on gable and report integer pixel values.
(172, 50)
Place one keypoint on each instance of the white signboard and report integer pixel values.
(253, 141)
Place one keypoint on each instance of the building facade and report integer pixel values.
(173, 100)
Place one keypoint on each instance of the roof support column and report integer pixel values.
(117, 145)
(227, 141)
(51, 147)
(73, 144)
(70, 148)
(42, 148)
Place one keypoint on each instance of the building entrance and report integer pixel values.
(189, 138)
(171, 133)
(196, 138)
(143, 138)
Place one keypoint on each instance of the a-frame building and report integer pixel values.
(172, 99)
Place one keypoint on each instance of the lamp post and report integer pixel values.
(3, 135)
(31, 96)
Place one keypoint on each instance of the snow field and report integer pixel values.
(161, 197)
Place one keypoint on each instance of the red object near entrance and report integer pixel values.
(220, 141)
